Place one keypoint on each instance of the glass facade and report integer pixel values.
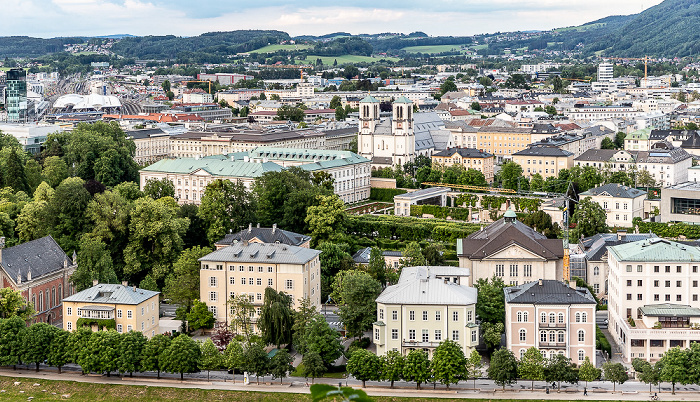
(685, 206)
(16, 95)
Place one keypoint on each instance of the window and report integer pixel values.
(543, 336)
(639, 267)
(499, 269)
(69, 311)
(394, 315)
(289, 284)
(513, 270)
(142, 311)
(260, 269)
(381, 314)
(543, 317)
(269, 269)
(584, 316)
(656, 297)
(143, 325)
(596, 288)
(667, 284)
(241, 268)
(411, 315)
(678, 269)
(581, 335)
(473, 336)
(129, 328)
(561, 318)
(629, 282)
(469, 316)
(527, 270)
(596, 271)
(656, 268)
(629, 296)
(667, 269)
(678, 298)
(629, 267)
(455, 316)
(129, 314)
(639, 296)
(394, 333)
(438, 335)
(251, 269)
(552, 336)
(231, 281)
(581, 354)
(269, 282)
(376, 334)
(212, 296)
(437, 316)
(425, 316)
(119, 314)
(69, 326)
(258, 281)
(119, 328)
(552, 318)
(520, 316)
(243, 281)
(667, 297)
(525, 316)
(523, 335)
(411, 334)
(639, 282)
(678, 284)
(258, 296)
(455, 335)
(425, 336)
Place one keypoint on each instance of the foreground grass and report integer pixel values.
(53, 390)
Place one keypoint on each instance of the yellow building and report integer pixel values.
(503, 141)
(469, 158)
(547, 161)
(128, 308)
(248, 268)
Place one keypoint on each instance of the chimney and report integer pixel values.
(19, 278)
(274, 227)
(258, 225)
(29, 275)
(95, 282)
(540, 282)
(572, 284)
(134, 288)
(621, 235)
(125, 284)
(250, 227)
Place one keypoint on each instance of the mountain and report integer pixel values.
(25, 46)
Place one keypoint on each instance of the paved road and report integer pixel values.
(599, 390)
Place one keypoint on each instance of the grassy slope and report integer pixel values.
(347, 58)
(276, 48)
(432, 49)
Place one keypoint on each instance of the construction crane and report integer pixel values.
(576, 79)
(209, 81)
(645, 58)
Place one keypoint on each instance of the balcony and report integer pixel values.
(552, 344)
(552, 325)
(419, 344)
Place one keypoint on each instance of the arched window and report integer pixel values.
(596, 271)
(543, 336)
(552, 318)
(581, 335)
(552, 336)
(581, 355)
(561, 318)
(552, 354)
(520, 316)
(523, 333)
(578, 317)
(560, 336)
(522, 354)
(525, 316)
(584, 317)
(543, 317)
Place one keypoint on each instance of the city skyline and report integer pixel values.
(52, 18)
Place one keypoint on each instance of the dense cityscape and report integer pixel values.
(250, 215)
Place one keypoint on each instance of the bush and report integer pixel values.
(102, 323)
(441, 212)
(357, 344)
(408, 229)
(668, 230)
(601, 341)
(384, 194)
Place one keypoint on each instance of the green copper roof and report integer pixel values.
(510, 214)
(369, 99)
(655, 250)
(669, 310)
(642, 134)
(403, 99)
(215, 167)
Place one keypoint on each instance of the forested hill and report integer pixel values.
(25, 46)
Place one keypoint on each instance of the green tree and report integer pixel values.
(588, 372)
(412, 256)
(323, 339)
(646, 372)
(152, 351)
(589, 218)
(155, 239)
(281, 364)
(226, 206)
(615, 373)
(131, 352)
(448, 86)
(211, 357)
(620, 140)
(492, 333)
(474, 366)
(303, 315)
(255, 360)
(472, 177)
(355, 291)
(12, 304)
(240, 310)
(35, 341)
(490, 305)
(182, 285)
(558, 368)
(333, 260)
(336, 101)
(364, 366)
(14, 173)
(233, 357)
(181, 356)
(531, 366)
(32, 170)
(58, 353)
(674, 368)
(340, 114)
(645, 179)
(292, 113)
(393, 363)
(65, 212)
(417, 367)
(94, 263)
(511, 175)
(200, 316)
(607, 143)
(475, 106)
(109, 212)
(503, 369)
(101, 353)
(449, 364)
(77, 342)
(377, 265)
(165, 85)
(327, 219)
(12, 331)
(312, 365)
(542, 222)
(276, 318)
(157, 189)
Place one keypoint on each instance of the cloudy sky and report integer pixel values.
(49, 18)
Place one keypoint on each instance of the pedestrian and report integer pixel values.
(585, 391)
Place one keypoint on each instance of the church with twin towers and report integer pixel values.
(387, 142)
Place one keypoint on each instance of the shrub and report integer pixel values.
(384, 194)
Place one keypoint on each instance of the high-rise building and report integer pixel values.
(16, 95)
(605, 72)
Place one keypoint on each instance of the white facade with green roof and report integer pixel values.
(638, 140)
(653, 299)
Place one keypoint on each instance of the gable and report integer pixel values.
(200, 172)
(513, 251)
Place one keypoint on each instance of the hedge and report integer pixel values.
(601, 342)
(405, 229)
(385, 194)
(441, 212)
(674, 230)
(101, 323)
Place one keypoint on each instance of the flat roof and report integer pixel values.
(689, 186)
(426, 192)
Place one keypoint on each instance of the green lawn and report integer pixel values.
(433, 49)
(344, 59)
(276, 48)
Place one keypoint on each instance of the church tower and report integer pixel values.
(369, 117)
(402, 130)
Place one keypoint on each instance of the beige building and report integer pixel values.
(621, 203)
(553, 316)
(512, 251)
(547, 161)
(653, 298)
(249, 268)
(427, 306)
(152, 145)
(468, 158)
(503, 142)
(128, 308)
(256, 234)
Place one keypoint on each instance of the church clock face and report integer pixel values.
(399, 125)
(365, 124)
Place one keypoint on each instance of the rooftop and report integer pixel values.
(669, 310)
(430, 191)
(421, 286)
(614, 190)
(547, 292)
(655, 250)
(269, 253)
(112, 294)
(265, 235)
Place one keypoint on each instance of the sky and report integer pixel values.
(51, 18)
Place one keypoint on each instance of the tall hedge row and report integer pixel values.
(385, 194)
(408, 228)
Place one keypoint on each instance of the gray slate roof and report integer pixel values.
(614, 190)
(549, 292)
(464, 153)
(420, 285)
(362, 255)
(544, 151)
(269, 253)
(265, 235)
(113, 294)
(41, 256)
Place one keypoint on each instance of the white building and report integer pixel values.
(387, 142)
(427, 306)
(605, 71)
(621, 203)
